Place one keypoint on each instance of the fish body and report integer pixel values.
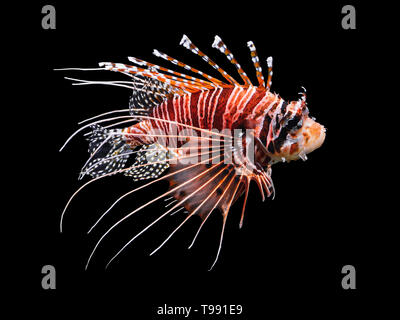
(238, 107)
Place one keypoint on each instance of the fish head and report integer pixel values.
(300, 142)
(291, 133)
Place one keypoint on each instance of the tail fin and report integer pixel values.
(108, 152)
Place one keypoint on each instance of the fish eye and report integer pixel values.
(297, 126)
(294, 124)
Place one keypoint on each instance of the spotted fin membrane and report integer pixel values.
(109, 152)
(150, 162)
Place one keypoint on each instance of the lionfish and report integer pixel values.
(213, 136)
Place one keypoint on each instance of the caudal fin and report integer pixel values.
(108, 150)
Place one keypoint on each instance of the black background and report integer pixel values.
(328, 212)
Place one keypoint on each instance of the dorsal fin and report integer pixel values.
(152, 94)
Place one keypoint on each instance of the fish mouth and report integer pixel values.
(313, 134)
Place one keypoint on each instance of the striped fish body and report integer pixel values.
(224, 109)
